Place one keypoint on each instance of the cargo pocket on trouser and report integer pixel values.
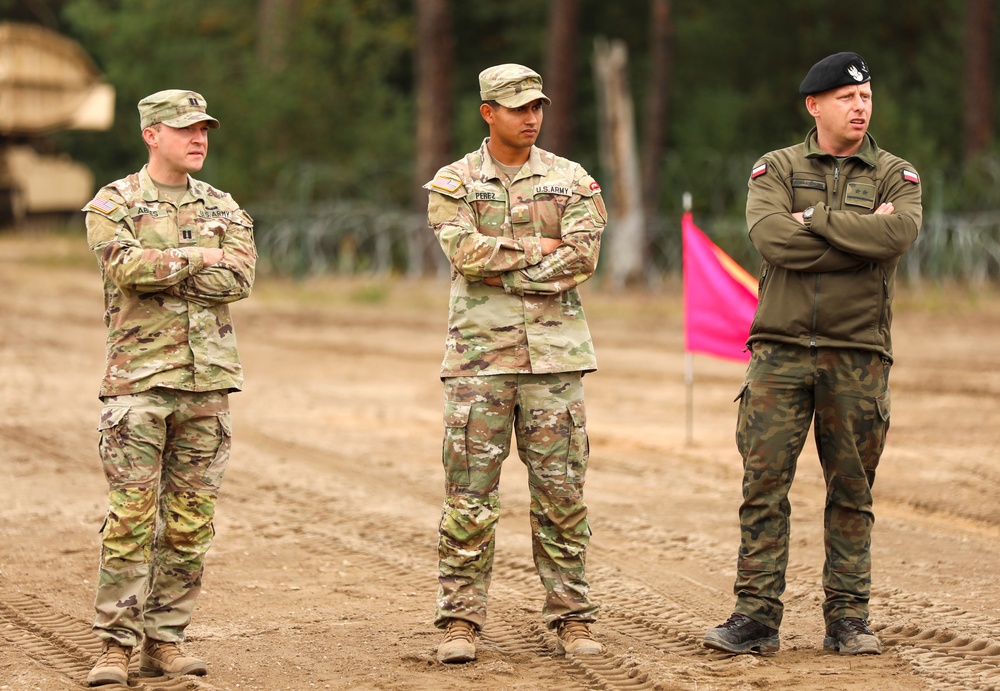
(743, 398)
(871, 448)
(119, 465)
(579, 445)
(216, 469)
(455, 448)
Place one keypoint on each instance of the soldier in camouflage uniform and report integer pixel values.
(522, 229)
(173, 253)
(831, 218)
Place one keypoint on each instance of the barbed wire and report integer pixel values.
(362, 237)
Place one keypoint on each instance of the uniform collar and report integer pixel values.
(535, 163)
(151, 193)
(867, 154)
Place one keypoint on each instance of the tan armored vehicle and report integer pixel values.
(47, 84)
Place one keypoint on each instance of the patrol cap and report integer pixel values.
(174, 108)
(835, 70)
(511, 85)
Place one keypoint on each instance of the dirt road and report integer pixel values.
(323, 571)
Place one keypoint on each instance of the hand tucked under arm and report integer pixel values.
(549, 245)
(228, 272)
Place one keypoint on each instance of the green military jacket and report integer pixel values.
(167, 313)
(534, 324)
(830, 284)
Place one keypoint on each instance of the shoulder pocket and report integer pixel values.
(241, 218)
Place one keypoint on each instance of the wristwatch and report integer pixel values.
(807, 216)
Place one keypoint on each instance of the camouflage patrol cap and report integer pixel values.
(835, 70)
(174, 108)
(511, 85)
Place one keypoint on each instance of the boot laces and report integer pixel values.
(857, 625)
(735, 621)
(574, 630)
(165, 652)
(114, 653)
(459, 628)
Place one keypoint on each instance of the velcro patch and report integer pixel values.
(758, 171)
(447, 184)
(105, 206)
(860, 194)
(553, 189)
(911, 176)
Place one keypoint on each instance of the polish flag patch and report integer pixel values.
(911, 176)
(758, 171)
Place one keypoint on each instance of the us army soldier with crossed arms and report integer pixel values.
(173, 252)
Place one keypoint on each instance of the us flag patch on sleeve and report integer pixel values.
(758, 171)
(105, 206)
(911, 176)
(445, 183)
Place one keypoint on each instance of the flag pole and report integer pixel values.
(688, 365)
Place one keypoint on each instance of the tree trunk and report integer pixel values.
(559, 77)
(625, 250)
(657, 113)
(273, 18)
(434, 59)
(977, 126)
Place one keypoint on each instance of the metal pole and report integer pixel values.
(689, 388)
(688, 365)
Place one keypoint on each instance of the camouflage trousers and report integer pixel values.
(546, 413)
(164, 454)
(846, 393)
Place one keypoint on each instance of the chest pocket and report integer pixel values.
(490, 205)
(209, 227)
(548, 203)
(808, 191)
(154, 227)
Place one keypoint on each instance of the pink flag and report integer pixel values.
(720, 297)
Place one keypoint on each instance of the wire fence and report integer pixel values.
(361, 237)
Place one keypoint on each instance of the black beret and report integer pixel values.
(833, 71)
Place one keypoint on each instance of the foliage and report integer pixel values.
(334, 123)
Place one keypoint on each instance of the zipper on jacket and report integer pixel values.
(812, 336)
(882, 306)
(836, 178)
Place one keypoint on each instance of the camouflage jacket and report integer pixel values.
(832, 283)
(535, 323)
(167, 313)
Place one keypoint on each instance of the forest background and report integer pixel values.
(334, 113)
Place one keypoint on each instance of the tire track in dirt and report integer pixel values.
(947, 645)
(388, 546)
(385, 545)
(68, 646)
(632, 612)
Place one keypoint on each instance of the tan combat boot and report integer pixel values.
(574, 638)
(161, 657)
(111, 666)
(459, 644)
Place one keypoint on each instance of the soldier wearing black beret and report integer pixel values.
(839, 69)
(831, 218)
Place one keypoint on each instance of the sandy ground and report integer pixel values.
(323, 571)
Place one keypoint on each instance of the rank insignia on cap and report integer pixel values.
(445, 183)
(911, 176)
(758, 171)
(105, 206)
